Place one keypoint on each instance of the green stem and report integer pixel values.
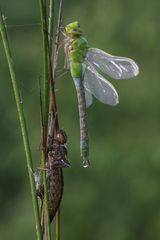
(45, 57)
(53, 100)
(58, 224)
(45, 110)
(51, 25)
(22, 124)
(47, 224)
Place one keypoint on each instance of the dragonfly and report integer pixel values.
(85, 65)
(56, 162)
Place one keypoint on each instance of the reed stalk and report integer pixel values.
(51, 24)
(43, 14)
(55, 62)
(23, 126)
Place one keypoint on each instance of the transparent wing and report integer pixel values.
(98, 85)
(88, 97)
(116, 67)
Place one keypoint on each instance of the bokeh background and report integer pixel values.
(118, 197)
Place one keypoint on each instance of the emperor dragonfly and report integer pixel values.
(84, 63)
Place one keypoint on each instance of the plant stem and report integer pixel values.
(58, 224)
(51, 25)
(46, 110)
(43, 14)
(22, 124)
(53, 105)
(53, 102)
(48, 49)
(57, 39)
(47, 224)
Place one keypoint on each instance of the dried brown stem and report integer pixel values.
(53, 105)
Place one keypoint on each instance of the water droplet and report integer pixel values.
(86, 163)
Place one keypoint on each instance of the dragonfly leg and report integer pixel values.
(66, 62)
(59, 44)
(43, 169)
(62, 74)
(66, 51)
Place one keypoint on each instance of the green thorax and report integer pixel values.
(78, 49)
(77, 46)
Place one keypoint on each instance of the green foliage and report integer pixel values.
(118, 197)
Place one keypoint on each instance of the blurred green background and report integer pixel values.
(118, 197)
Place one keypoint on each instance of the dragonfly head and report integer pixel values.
(73, 29)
